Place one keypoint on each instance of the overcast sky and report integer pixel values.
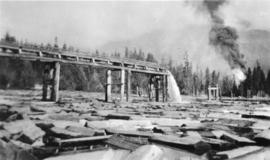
(89, 25)
(85, 23)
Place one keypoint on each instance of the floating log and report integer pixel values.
(159, 113)
(129, 133)
(62, 133)
(235, 122)
(84, 139)
(218, 144)
(117, 116)
(263, 137)
(256, 116)
(129, 143)
(25, 130)
(37, 109)
(193, 144)
(232, 138)
(207, 134)
(193, 133)
(239, 152)
(85, 132)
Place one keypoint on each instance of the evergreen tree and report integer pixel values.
(262, 81)
(213, 82)
(248, 83)
(55, 46)
(41, 46)
(9, 38)
(150, 58)
(163, 62)
(207, 79)
(170, 65)
(187, 75)
(258, 79)
(235, 90)
(196, 84)
(267, 83)
(227, 86)
(141, 55)
(48, 46)
(64, 48)
(254, 81)
(126, 52)
(97, 53)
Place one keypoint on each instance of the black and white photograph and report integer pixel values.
(135, 80)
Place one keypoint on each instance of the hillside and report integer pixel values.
(254, 44)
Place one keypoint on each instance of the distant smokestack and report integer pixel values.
(223, 38)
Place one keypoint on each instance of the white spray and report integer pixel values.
(239, 76)
(173, 89)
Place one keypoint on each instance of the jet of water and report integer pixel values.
(173, 89)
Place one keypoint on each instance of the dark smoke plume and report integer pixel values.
(223, 38)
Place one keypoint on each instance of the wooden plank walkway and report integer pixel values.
(81, 58)
(54, 57)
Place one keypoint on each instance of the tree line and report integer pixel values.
(191, 82)
(18, 74)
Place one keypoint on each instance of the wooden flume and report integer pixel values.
(54, 58)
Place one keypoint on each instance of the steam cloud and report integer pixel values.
(223, 38)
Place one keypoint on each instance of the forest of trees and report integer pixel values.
(196, 82)
(18, 74)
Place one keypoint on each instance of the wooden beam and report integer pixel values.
(46, 79)
(56, 82)
(108, 93)
(66, 57)
(150, 87)
(167, 83)
(156, 88)
(83, 139)
(128, 85)
(122, 89)
(164, 88)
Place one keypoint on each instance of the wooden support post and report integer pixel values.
(122, 89)
(128, 85)
(156, 88)
(167, 92)
(108, 93)
(164, 88)
(55, 82)
(46, 80)
(150, 87)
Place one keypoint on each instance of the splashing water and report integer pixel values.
(239, 76)
(173, 89)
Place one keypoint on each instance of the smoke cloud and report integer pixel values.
(223, 38)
